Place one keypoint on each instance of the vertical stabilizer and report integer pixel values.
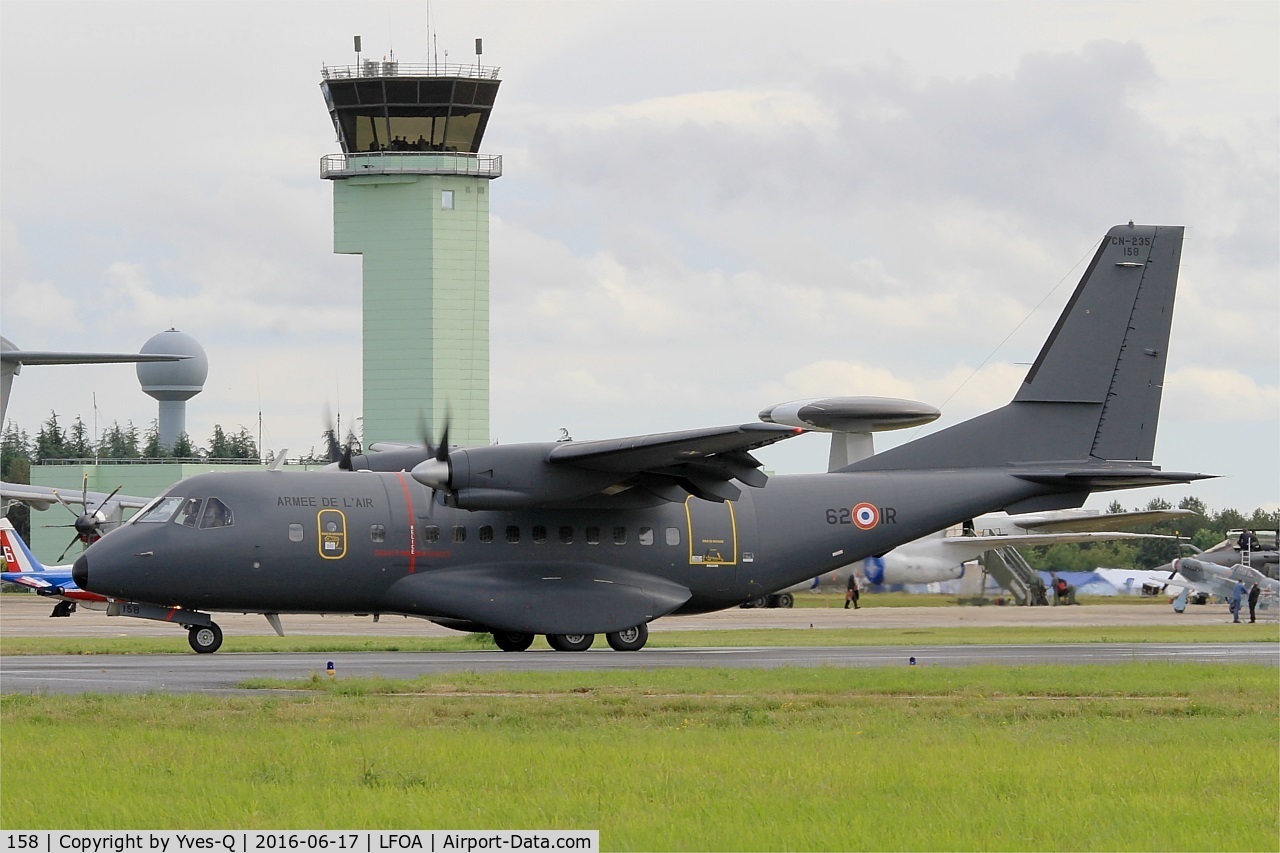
(1094, 391)
(1110, 344)
(17, 557)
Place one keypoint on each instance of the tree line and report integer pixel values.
(1203, 529)
(54, 441)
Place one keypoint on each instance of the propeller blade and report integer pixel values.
(108, 498)
(442, 451)
(63, 501)
(74, 540)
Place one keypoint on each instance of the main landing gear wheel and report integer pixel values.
(205, 639)
(786, 600)
(570, 642)
(512, 641)
(628, 639)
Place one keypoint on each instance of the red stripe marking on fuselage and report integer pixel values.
(438, 555)
(408, 503)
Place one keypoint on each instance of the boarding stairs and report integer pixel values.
(1013, 573)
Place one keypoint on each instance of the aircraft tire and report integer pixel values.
(785, 600)
(628, 639)
(512, 641)
(205, 639)
(570, 642)
(761, 602)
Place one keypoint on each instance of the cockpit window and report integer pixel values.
(216, 514)
(189, 512)
(161, 510)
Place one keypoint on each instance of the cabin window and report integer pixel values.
(513, 534)
(216, 514)
(377, 533)
(431, 533)
(566, 535)
(673, 535)
(161, 511)
(619, 536)
(486, 533)
(295, 533)
(189, 513)
(646, 536)
(459, 533)
(540, 534)
(593, 535)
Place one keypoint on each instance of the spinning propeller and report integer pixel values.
(336, 452)
(434, 471)
(88, 524)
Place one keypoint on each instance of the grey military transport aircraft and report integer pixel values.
(574, 538)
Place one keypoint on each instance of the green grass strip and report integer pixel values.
(1143, 756)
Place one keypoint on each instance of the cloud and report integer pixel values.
(1216, 395)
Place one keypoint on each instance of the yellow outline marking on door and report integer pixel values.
(332, 543)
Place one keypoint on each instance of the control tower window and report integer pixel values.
(417, 132)
(446, 199)
(461, 131)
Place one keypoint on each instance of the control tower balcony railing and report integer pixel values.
(395, 68)
(333, 166)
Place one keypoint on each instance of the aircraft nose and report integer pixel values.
(80, 572)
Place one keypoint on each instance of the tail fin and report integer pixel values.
(1093, 394)
(17, 556)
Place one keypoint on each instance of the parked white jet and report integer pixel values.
(942, 556)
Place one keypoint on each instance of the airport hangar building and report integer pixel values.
(410, 195)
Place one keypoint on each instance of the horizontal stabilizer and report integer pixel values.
(1101, 481)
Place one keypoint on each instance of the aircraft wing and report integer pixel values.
(48, 357)
(537, 597)
(703, 461)
(1208, 587)
(383, 446)
(1105, 521)
(42, 497)
(31, 580)
(1030, 539)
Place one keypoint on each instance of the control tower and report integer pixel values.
(410, 194)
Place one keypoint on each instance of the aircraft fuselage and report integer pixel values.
(322, 542)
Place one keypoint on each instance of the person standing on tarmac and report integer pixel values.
(1237, 595)
(1254, 594)
(851, 593)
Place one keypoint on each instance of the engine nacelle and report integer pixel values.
(510, 477)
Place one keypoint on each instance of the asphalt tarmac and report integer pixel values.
(28, 616)
(221, 672)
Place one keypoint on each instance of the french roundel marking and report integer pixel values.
(866, 516)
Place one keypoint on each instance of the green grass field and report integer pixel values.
(1132, 757)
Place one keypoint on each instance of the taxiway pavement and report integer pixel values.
(222, 672)
(28, 616)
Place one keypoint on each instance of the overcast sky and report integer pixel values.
(706, 207)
